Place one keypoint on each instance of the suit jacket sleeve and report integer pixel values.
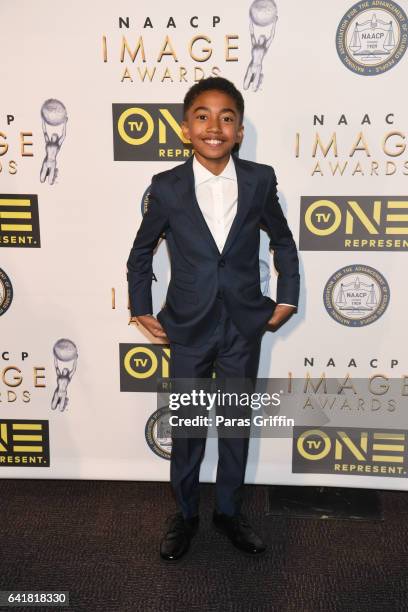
(139, 264)
(285, 257)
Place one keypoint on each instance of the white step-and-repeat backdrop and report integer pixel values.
(91, 102)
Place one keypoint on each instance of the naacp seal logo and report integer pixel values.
(356, 295)
(372, 36)
(158, 432)
(6, 292)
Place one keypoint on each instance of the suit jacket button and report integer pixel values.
(221, 263)
(219, 295)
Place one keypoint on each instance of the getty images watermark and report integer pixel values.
(240, 402)
(227, 408)
(273, 408)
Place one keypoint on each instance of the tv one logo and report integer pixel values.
(19, 221)
(353, 223)
(349, 451)
(143, 366)
(149, 132)
(24, 443)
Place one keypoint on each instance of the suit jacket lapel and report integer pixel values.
(186, 191)
(246, 189)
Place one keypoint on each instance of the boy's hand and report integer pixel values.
(152, 325)
(281, 314)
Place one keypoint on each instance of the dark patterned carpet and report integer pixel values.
(99, 541)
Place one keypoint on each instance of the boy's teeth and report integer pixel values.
(213, 141)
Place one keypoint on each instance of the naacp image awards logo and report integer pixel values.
(372, 36)
(356, 295)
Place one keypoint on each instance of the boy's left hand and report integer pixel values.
(281, 314)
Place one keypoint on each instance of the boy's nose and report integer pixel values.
(214, 127)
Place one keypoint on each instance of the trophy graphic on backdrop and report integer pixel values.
(65, 351)
(262, 13)
(54, 115)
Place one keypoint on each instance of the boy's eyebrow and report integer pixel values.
(223, 110)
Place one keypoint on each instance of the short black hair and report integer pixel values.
(218, 84)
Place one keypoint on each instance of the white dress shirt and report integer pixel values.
(217, 197)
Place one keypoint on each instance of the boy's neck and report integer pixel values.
(215, 166)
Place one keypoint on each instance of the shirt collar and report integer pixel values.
(201, 174)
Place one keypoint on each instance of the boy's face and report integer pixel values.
(213, 125)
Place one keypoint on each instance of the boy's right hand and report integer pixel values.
(152, 325)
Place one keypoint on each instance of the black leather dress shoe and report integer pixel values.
(176, 542)
(240, 532)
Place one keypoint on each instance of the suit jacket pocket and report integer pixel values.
(184, 277)
(186, 295)
(182, 285)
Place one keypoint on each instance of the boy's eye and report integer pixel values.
(201, 116)
(228, 118)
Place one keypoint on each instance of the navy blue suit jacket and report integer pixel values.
(201, 276)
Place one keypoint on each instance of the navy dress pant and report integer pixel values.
(231, 355)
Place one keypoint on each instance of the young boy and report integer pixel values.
(211, 208)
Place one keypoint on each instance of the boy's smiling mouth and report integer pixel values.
(213, 142)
